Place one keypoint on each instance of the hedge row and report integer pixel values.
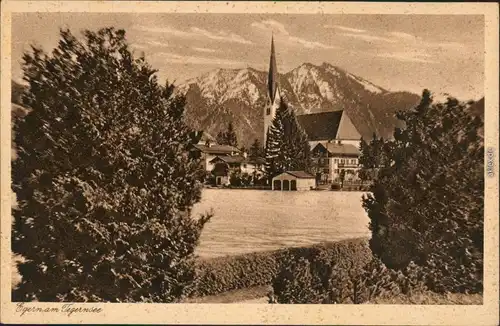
(323, 281)
(224, 274)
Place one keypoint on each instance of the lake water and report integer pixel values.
(258, 220)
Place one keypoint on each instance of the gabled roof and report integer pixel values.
(339, 149)
(238, 159)
(321, 126)
(229, 159)
(216, 149)
(300, 174)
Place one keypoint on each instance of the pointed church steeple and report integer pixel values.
(272, 80)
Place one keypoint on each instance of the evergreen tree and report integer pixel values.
(427, 201)
(342, 178)
(372, 156)
(287, 147)
(228, 137)
(103, 182)
(256, 149)
(221, 138)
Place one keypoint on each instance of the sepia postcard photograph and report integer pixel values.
(249, 163)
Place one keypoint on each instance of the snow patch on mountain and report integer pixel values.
(367, 85)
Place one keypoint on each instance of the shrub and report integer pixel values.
(224, 274)
(246, 179)
(103, 181)
(235, 179)
(427, 200)
(335, 186)
(327, 282)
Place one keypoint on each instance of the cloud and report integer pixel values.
(163, 30)
(369, 38)
(206, 50)
(280, 30)
(195, 32)
(403, 35)
(195, 60)
(221, 36)
(418, 41)
(309, 44)
(346, 29)
(271, 25)
(138, 46)
(408, 57)
(448, 45)
(157, 43)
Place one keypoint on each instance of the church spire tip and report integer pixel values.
(273, 72)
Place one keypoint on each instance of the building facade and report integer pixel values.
(330, 159)
(208, 151)
(293, 181)
(334, 143)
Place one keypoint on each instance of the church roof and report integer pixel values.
(272, 80)
(321, 126)
(336, 149)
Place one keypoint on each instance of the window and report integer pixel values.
(244, 166)
(336, 160)
(353, 161)
(342, 161)
(268, 111)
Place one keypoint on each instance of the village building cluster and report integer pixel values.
(333, 139)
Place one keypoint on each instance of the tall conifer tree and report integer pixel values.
(287, 147)
(228, 137)
(103, 183)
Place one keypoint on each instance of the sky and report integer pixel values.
(443, 53)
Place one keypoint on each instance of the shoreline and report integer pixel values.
(346, 189)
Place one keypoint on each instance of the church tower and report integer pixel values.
(273, 92)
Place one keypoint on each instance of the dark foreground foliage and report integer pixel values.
(231, 273)
(325, 281)
(104, 188)
(427, 199)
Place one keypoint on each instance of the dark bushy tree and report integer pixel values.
(427, 201)
(227, 137)
(256, 150)
(287, 147)
(103, 182)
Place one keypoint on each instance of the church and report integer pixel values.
(333, 138)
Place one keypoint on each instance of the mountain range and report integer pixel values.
(239, 95)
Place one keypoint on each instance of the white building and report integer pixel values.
(209, 151)
(331, 158)
(294, 181)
